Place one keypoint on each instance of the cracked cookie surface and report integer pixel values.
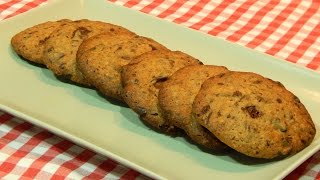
(101, 58)
(176, 97)
(62, 45)
(29, 43)
(142, 79)
(254, 115)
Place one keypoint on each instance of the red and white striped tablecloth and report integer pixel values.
(289, 30)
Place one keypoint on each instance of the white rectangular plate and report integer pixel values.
(84, 117)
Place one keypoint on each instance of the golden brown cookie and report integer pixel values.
(29, 43)
(62, 45)
(176, 97)
(142, 79)
(101, 58)
(253, 115)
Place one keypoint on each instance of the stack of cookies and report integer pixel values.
(172, 91)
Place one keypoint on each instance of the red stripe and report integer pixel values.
(147, 9)
(212, 15)
(50, 154)
(130, 4)
(191, 12)
(233, 18)
(67, 167)
(14, 133)
(318, 176)
(305, 44)
(8, 165)
(5, 117)
(315, 62)
(102, 170)
(8, 4)
(256, 19)
(130, 175)
(297, 173)
(281, 17)
(26, 7)
(283, 41)
(172, 9)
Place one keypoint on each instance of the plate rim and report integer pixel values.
(130, 164)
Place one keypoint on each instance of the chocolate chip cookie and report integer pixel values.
(62, 45)
(142, 79)
(101, 58)
(29, 43)
(176, 97)
(253, 115)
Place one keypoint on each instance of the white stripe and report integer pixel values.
(52, 166)
(200, 14)
(161, 7)
(3, 156)
(182, 10)
(121, 2)
(244, 18)
(264, 23)
(310, 53)
(299, 37)
(224, 15)
(84, 170)
(117, 172)
(283, 28)
(140, 5)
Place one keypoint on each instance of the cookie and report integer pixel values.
(29, 43)
(101, 58)
(176, 97)
(254, 115)
(142, 79)
(62, 45)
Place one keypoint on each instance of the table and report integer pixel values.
(289, 30)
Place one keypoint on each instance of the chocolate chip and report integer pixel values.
(221, 84)
(221, 75)
(237, 93)
(205, 109)
(279, 100)
(259, 98)
(257, 81)
(253, 112)
(42, 41)
(267, 143)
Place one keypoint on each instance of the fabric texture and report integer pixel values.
(288, 30)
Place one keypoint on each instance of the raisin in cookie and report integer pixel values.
(101, 58)
(142, 79)
(176, 97)
(29, 43)
(253, 115)
(62, 45)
